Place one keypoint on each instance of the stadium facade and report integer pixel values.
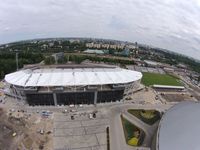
(72, 84)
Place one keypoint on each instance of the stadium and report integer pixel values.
(74, 84)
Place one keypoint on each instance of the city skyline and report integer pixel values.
(168, 24)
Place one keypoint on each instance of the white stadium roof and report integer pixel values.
(72, 77)
(180, 128)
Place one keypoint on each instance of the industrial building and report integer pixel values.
(65, 85)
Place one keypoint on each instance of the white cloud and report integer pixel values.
(172, 24)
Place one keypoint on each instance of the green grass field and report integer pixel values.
(147, 116)
(161, 79)
(130, 129)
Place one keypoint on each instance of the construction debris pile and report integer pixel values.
(22, 130)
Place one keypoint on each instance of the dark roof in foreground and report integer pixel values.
(180, 128)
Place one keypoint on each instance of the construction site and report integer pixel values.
(23, 130)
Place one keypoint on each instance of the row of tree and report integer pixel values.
(8, 61)
(80, 58)
(44, 46)
(169, 58)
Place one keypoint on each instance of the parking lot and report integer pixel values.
(146, 69)
(82, 133)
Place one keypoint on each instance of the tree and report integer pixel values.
(49, 60)
(111, 51)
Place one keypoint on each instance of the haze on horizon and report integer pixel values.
(169, 24)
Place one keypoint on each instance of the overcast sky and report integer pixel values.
(170, 24)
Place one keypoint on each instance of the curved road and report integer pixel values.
(117, 139)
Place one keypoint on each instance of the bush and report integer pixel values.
(147, 116)
(129, 132)
(49, 60)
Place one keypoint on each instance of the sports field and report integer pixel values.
(160, 79)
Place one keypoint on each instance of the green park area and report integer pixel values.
(147, 116)
(160, 79)
(134, 135)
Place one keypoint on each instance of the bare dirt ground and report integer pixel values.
(20, 130)
(177, 97)
(146, 95)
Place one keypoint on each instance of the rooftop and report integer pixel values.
(71, 76)
(153, 63)
(168, 87)
(179, 128)
(94, 51)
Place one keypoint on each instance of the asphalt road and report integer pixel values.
(112, 112)
(117, 139)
